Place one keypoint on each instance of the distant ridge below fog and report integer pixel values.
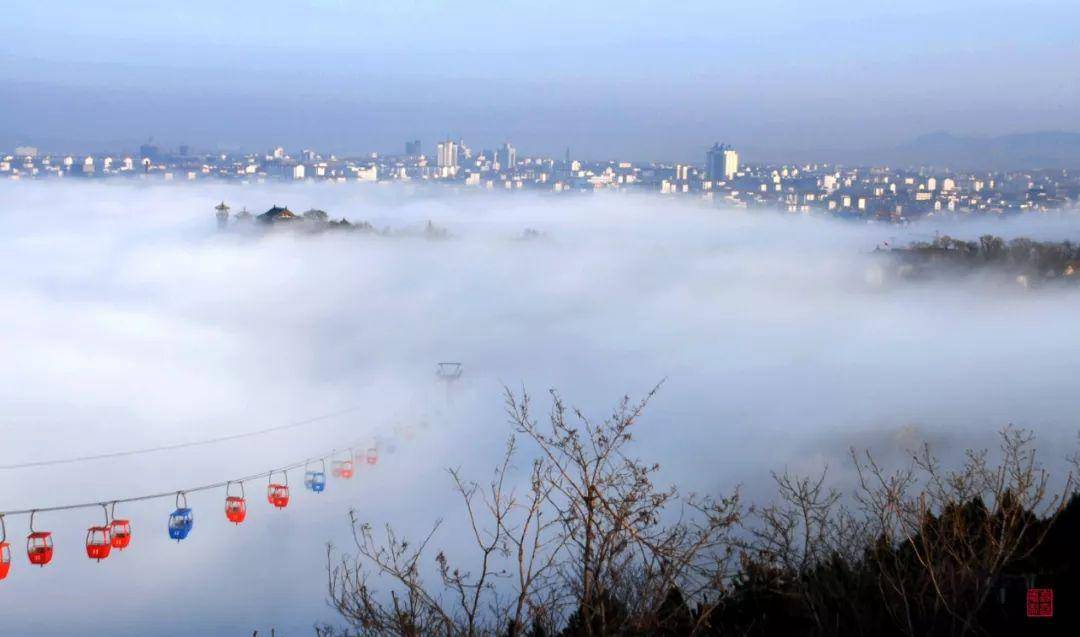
(945, 150)
(1043, 149)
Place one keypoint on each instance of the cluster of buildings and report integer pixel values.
(877, 193)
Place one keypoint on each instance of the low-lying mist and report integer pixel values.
(131, 321)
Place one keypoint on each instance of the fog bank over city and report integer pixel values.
(132, 321)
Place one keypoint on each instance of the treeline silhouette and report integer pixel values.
(1037, 260)
(586, 545)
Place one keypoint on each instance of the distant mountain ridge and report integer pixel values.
(1042, 149)
(948, 151)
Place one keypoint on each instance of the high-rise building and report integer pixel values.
(446, 154)
(413, 148)
(721, 162)
(731, 163)
(507, 157)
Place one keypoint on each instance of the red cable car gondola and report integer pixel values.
(277, 493)
(404, 431)
(5, 551)
(120, 530)
(372, 456)
(99, 539)
(343, 468)
(39, 546)
(235, 506)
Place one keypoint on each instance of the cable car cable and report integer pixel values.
(172, 493)
(179, 445)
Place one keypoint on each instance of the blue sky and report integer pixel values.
(632, 79)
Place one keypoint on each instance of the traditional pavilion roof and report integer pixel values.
(277, 213)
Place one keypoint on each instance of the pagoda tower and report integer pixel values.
(222, 213)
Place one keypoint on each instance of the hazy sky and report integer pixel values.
(631, 79)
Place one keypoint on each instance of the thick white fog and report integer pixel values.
(130, 321)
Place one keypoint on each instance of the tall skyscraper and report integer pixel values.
(413, 148)
(721, 162)
(446, 158)
(731, 163)
(507, 157)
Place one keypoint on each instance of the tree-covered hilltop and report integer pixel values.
(312, 221)
(1022, 257)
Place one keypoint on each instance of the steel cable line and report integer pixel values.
(168, 494)
(179, 445)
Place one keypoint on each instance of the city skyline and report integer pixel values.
(1035, 150)
(724, 178)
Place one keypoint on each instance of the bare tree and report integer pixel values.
(590, 542)
(954, 533)
(966, 526)
(586, 544)
(617, 525)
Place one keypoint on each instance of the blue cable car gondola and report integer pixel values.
(315, 480)
(181, 520)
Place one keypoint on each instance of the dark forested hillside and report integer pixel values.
(1024, 260)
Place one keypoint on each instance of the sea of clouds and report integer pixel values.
(130, 321)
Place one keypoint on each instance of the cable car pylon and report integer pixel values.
(449, 373)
